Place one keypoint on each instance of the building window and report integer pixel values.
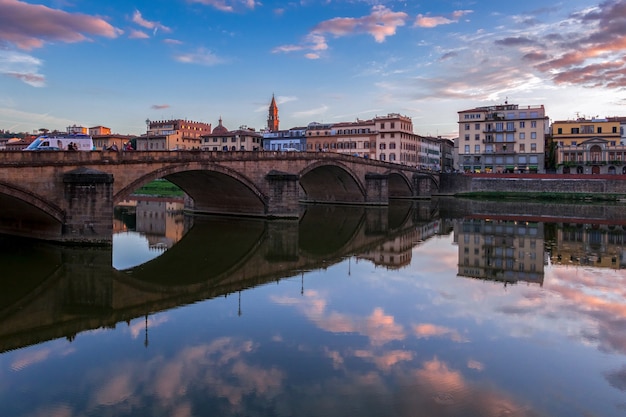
(522, 125)
(533, 147)
(533, 123)
(575, 130)
(476, 148)
(533, 135)
(477, 136)
(467, 149)
(559, 131)
(600, 130)
(467, 136)
(588, 129)
(477, 126)
(467, 126)
(522, 135)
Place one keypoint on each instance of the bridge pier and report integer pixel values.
(377, 189)
(282, 241)
(89, 207)
(283, 196)
(422, 186)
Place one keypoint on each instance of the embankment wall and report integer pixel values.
(458, 184)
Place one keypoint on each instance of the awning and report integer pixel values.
(510, 167)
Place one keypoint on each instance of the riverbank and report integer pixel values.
(546, 187)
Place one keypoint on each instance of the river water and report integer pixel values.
(439, 308)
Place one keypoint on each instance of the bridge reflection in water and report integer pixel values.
(50, 292)
(53, 291)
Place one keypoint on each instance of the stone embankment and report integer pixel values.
(602, 187)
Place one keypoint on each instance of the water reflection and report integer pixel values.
(443, 308)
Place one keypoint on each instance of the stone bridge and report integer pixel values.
(69, 196)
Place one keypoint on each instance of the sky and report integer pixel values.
(119, 63)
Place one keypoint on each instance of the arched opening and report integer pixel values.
(330, 184)
(595, 153)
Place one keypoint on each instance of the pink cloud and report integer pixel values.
(137, 34)
(427, 330)
(380, 24)
(598, 43)
(138, 19)
(434, 21)
(29, 26)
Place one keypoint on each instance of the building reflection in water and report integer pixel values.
(512, 250)
(159, 219)
(396, 253)
(597, 245)
(500, 250)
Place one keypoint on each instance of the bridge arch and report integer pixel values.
(35, 214)
(399, 185)
(214, 188)
(323, 181)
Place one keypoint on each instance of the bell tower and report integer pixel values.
(272, 118)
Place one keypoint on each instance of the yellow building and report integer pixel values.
(503, 138)
(588, 146)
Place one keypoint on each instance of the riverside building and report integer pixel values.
(502, 138)
(168, 135)
(222, 139)
(586, 146)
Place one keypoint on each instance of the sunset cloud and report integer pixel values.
(587, 51)
(227, 5)
(426, 331)
(22, 66)
(30, 26)
(154, 26)
(380, 24)
(434, 21)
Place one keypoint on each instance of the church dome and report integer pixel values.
(220, 129)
